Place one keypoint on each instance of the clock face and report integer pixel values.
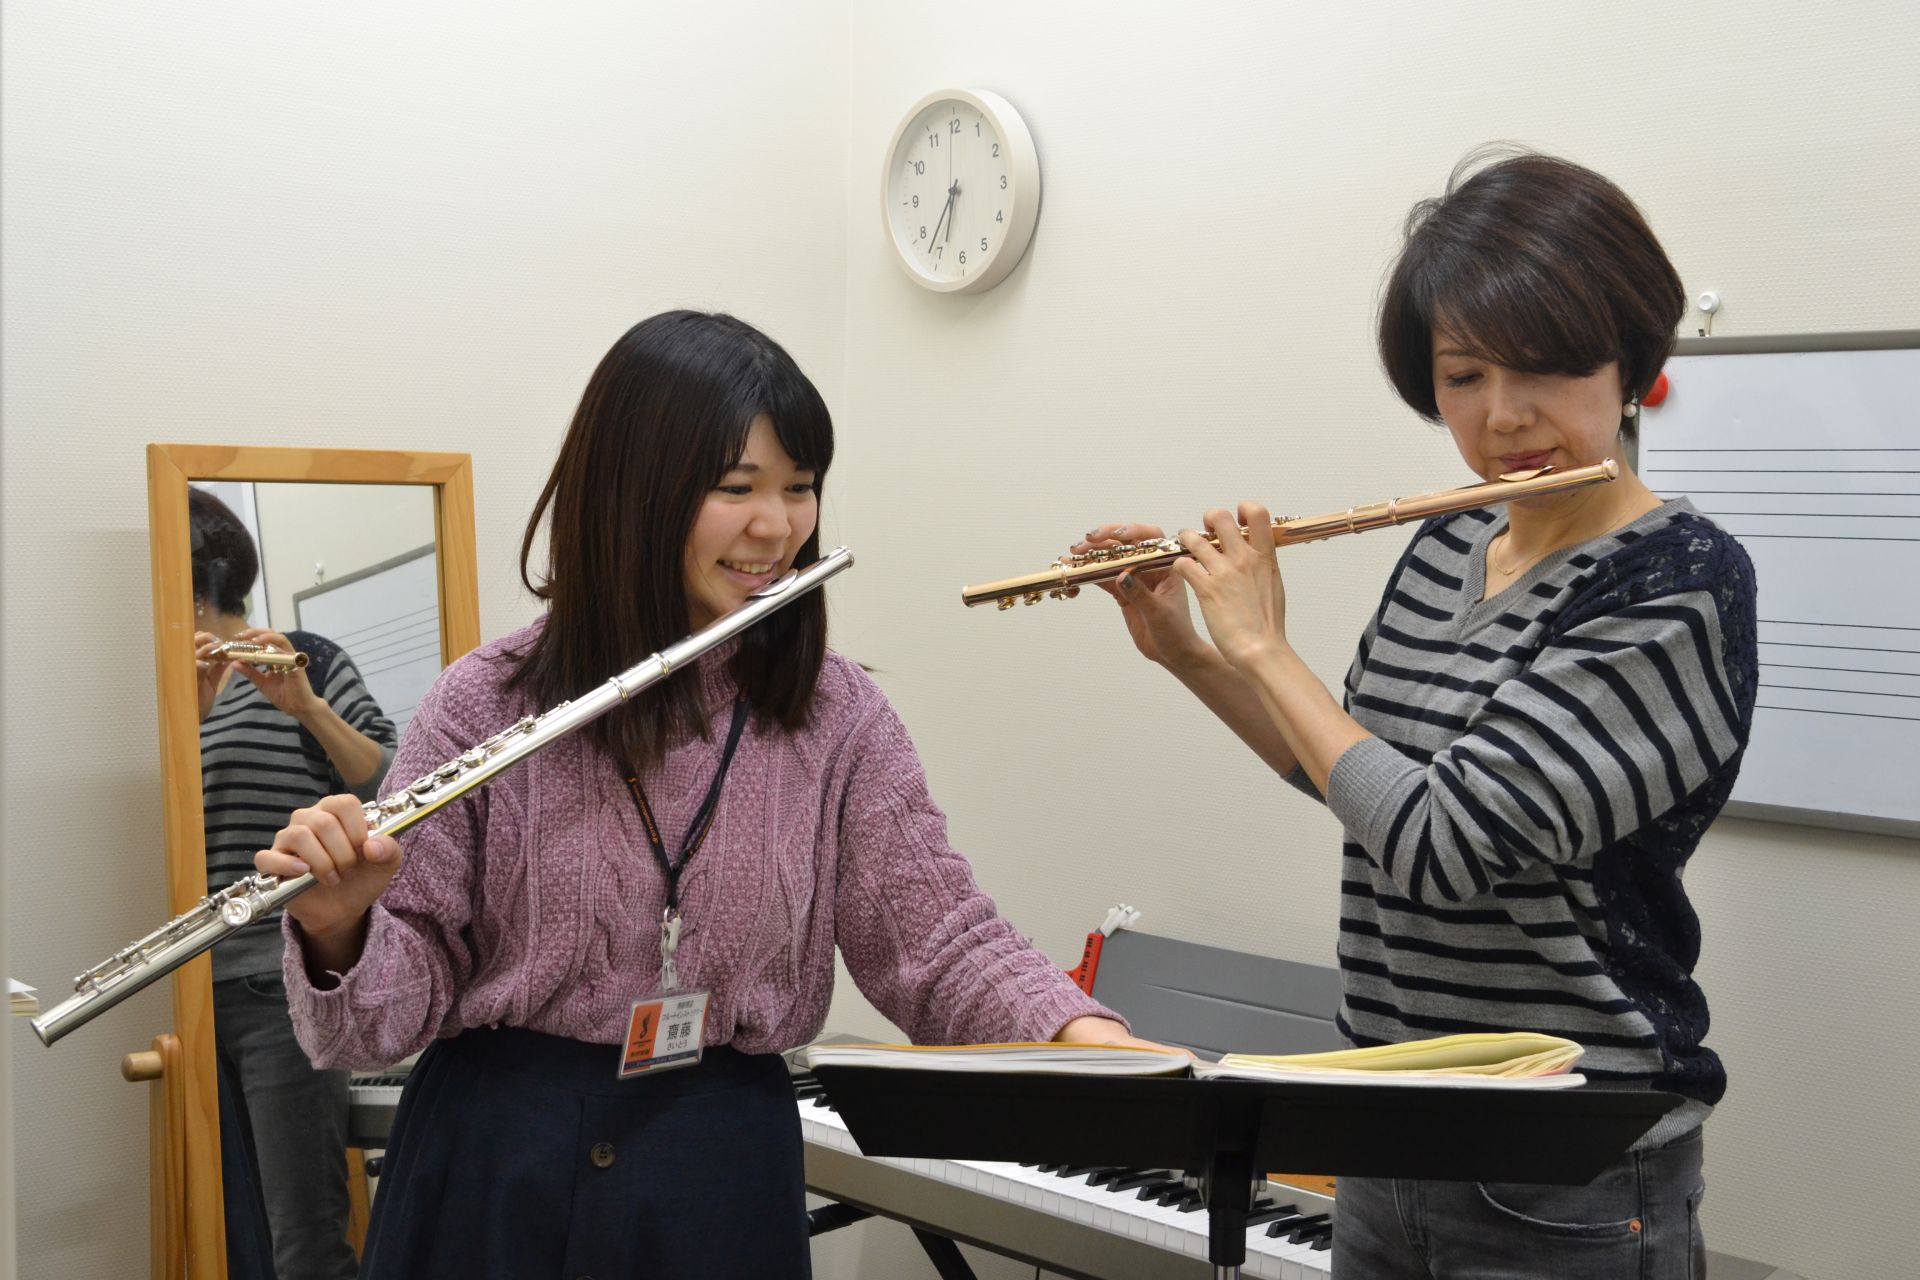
(960, 194)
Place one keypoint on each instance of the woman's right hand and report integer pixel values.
(351, 867)
(1154, 605)
(211, 672)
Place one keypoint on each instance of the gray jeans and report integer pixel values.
(298, 1117)
(1639, 1220)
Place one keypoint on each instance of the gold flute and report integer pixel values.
(1063, 579)
(258, 655)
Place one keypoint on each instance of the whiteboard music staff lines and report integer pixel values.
(1808, 666)
(1807, 451)
(387, 618)
(1821, 688)
(1861, 715)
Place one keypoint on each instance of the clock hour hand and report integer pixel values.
(945, 210)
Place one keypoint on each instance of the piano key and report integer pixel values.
(1263, 1214)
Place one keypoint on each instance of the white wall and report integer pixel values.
(340, 528)
(372, 225)
(354, 224)
(1224, 185)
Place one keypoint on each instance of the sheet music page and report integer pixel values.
(1812, 460)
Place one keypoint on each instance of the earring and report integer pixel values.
(1631, 409)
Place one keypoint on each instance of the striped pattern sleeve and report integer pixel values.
(1615, 721)
(347, 694)
(1298, 779)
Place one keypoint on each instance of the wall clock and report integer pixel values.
(961, 191)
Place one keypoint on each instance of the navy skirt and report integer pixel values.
(520, 1156)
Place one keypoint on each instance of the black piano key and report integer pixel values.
(1263, 1214)
(1306, 1228)
(1169, 1194)
(1322, 1242)
(1280, 1227)
(1105, 1176)
(1080, 1170)
(1160, 1187)
(1180, 1197)
(1138, 1178)
(1049, 1168)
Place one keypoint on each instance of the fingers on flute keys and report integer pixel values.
(1105, 536)
(329, 839)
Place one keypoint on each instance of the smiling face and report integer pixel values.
(749, 527)
(1505, 420)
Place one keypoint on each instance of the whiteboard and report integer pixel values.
(1808, 451)
(387, 618)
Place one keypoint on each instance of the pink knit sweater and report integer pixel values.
(535, 902)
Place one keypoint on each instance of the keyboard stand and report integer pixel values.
(1225, 1130)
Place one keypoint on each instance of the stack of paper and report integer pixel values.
(1514, 1059)
(1044, 1059)
(21, 1000)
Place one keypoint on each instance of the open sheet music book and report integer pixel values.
(1508, 1060)
(1045, 1059)
(21, 999)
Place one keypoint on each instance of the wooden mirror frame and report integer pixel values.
(189, 1238)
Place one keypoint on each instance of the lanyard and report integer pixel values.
(696, 836)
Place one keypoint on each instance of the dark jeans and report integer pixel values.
(1639, 1220)
(298, 1118)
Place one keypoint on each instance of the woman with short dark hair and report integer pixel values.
(1546, 711)
(270, 741)
(770, 791)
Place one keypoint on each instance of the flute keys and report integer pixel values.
(1004, 604)
(1032, 597)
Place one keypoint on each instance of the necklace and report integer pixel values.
(1501, 569)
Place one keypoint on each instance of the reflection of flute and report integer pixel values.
(252, 898)
(258, 655)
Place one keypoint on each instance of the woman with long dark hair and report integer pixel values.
(771, 793)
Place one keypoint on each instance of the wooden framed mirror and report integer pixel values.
(373, 550)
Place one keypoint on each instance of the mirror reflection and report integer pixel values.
(317, 630)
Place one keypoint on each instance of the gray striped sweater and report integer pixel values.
(257, 765)
(1544, 763)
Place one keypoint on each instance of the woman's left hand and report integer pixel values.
(1237, 583)
(1091, 1030)
(287, 688)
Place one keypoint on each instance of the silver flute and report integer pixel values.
(219, 914)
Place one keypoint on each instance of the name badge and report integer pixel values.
(664, 1032)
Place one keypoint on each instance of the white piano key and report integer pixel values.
(1121, 1213)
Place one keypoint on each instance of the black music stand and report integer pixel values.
(1227, 1131)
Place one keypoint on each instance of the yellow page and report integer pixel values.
(1506, 1054)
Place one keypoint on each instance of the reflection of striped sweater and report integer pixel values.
(1545, 762)
(257, 765)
